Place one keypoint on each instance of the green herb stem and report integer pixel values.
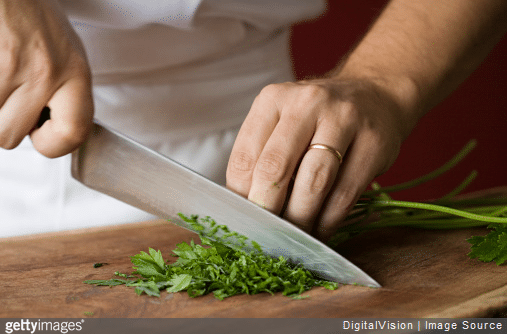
(425, 178)
(461, 187)
(439, 208)
(387, 212)
(425, 224)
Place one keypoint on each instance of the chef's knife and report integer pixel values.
(114, 164)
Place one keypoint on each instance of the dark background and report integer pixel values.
(478, 109)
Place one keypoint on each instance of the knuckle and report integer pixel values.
(9, 52)
(79, 66)
(47, 69)
(43, 71)
(318, 180)
(241, 163)
(8, 141)
(272, 167)
(349, 114)
(73, 134)
(345, 198)
(271, 90)
(315, 93)
(264, 96)
(266, 93)
(381, 149)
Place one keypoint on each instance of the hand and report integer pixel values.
(43, 64)
(356, 118)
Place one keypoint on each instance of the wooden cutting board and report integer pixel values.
(423, 273)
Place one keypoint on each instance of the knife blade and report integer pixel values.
(116, 165)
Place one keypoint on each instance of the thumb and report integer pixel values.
(71, 117)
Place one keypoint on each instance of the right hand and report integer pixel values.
(354, 116)
(43, 63)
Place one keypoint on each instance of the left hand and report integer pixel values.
(356, 118)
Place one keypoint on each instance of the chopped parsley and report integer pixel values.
(219, 266)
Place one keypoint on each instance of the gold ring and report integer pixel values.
(327, 148)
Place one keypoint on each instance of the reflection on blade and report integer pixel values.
(115, 165)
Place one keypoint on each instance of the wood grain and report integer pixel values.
(423, 274)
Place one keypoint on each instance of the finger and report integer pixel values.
(317, 172)
(253, 135)
(363, 163)
(70, 122)
(279, 159)
(19, 114)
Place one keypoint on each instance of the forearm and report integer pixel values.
(420, 51)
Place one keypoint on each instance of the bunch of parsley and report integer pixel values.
(445, 213)
(220, 267)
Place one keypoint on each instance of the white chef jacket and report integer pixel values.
(178, 76)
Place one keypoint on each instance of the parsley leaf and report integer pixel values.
(149, 265)
(180, 282)
(492, 247)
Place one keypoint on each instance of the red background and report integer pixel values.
(476, 110)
